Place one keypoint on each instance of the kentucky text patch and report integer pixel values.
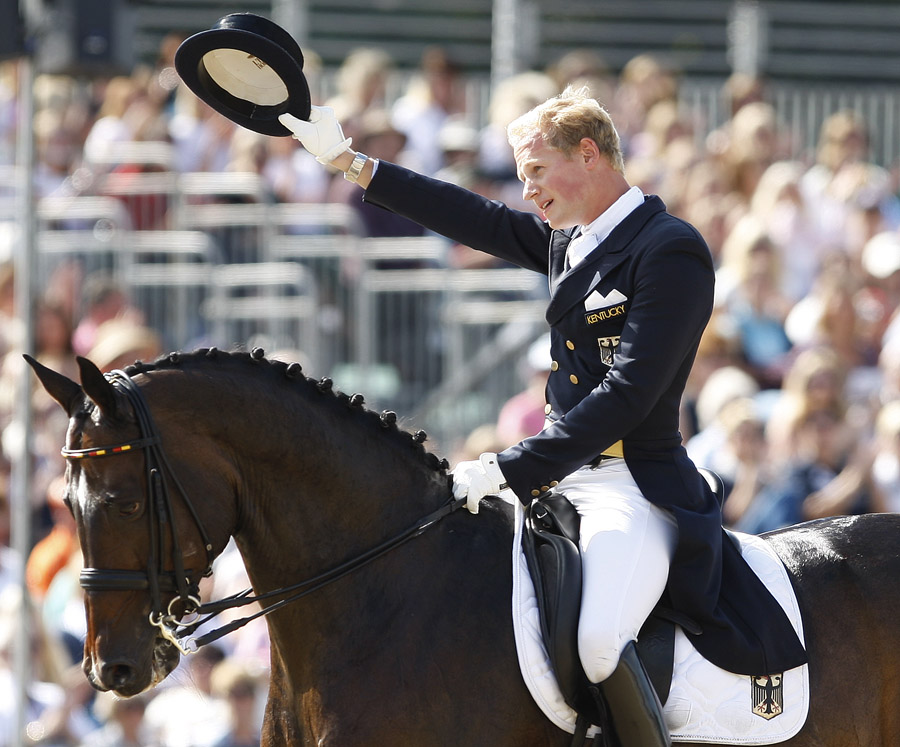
(602, 315)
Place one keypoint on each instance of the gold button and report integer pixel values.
(573, 378)
(554, 366)
(535, 493)
(548, 409)
(554, 483)
(545, 488)
(570, 345)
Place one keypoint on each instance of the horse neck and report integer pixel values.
(316, 480)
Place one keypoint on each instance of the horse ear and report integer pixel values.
(97, 386)
(60, 387)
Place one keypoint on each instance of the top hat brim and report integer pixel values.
(254, 88)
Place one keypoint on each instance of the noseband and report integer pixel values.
(156, 579)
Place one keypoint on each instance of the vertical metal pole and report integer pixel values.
(748, 37)
(504, 62)
(515, 38)
(293, 17)
(20, 483)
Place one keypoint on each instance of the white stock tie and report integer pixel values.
(580, 247)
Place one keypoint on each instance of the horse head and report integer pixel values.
(144, 549)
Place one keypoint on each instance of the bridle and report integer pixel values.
(174, 627)
(156, 579)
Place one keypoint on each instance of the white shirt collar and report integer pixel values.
(603, 225)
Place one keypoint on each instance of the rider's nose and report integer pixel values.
(528, 191)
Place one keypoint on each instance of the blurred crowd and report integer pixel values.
(794, 399)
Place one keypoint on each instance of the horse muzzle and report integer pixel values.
(126, 674)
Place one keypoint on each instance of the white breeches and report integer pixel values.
(627, 545)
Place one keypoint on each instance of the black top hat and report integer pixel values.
(249, 69)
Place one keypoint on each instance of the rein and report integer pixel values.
(157, 579)
(301, 589)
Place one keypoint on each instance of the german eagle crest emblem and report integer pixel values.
(768, 696)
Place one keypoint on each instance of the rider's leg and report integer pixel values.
(627, 547)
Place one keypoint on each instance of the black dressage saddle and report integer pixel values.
(551, 546)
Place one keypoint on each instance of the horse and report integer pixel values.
(388, 610)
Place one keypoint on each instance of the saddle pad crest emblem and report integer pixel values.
(768, 696)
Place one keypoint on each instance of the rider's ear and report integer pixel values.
(97, 387)
(60, 387)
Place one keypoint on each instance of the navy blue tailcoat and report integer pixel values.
(624, 327)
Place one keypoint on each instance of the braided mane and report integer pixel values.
(387, 419)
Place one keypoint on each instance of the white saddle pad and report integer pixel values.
(705, 703)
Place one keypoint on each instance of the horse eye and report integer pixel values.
(129, 509)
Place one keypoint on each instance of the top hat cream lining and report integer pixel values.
(245, 76)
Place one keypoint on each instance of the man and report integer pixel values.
(631, 290)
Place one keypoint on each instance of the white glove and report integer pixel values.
(321, 135)
(476, 479)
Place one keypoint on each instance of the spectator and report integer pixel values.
(120, 343)
(880, 296)
(722, 386)
(480, 439)
(742, 88)
(742, 460)
(886, 464)
(53, 349)
(814, 382)
(509, 99)
(643, 82)
(376, 135)
(292, 174)
(838, 322)
(748, 290)
(188, 714)
(754, 142)
(719, 348)
(778, 204)
(864, 194)
(111, 125)
(54, 551)
(431, 97)
(57, 695)
(843, 139)
(361, 86)
(123, 722)
(58, 149)
(582, 67)
(104, 299)
(239, 688)
(827, 477)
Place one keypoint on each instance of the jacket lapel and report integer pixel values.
(568, 287)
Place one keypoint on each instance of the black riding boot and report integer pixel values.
(634, 708)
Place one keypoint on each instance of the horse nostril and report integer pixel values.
(116, 675)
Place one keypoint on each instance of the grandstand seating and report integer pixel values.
(809, 39)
